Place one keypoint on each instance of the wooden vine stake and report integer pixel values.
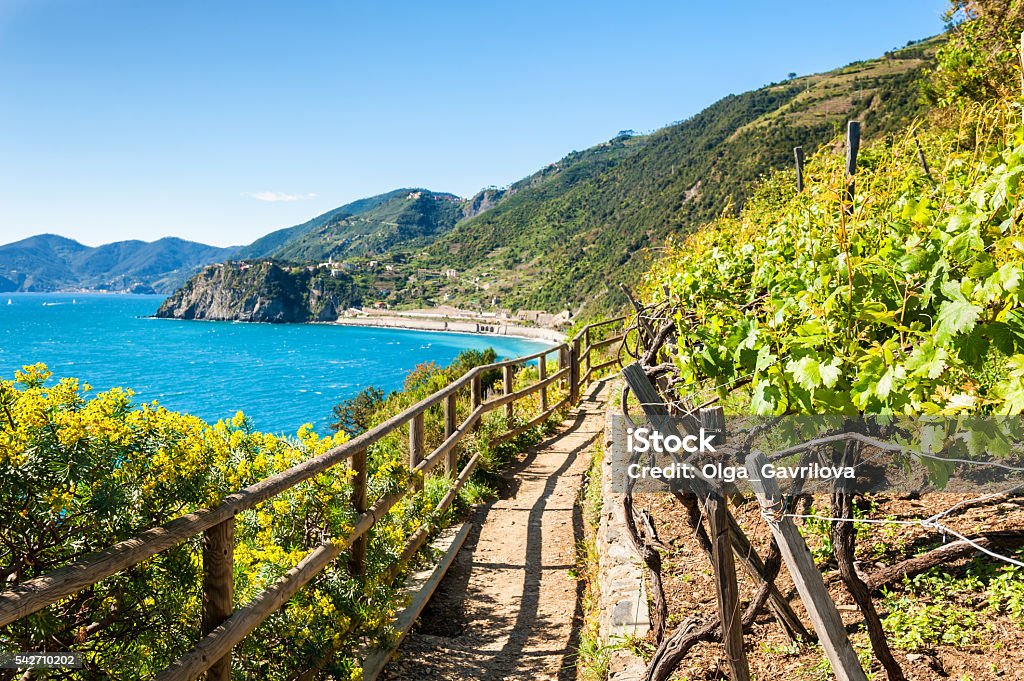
(798, 157)
(713, 420)
(852, 148)
(820, 607)
(922, 159)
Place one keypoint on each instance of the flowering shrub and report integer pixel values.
(80, 471)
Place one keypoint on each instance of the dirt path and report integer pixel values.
(509, 607)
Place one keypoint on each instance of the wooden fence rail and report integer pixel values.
(222, 626)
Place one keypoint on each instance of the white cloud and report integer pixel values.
(278, 196)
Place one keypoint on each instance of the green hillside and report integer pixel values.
(366, 227)
(552, 239)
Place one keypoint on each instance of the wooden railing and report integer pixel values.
(223, 627)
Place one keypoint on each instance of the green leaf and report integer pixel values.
(865, 386)
(809, 373)
(938, 471)
(830, 373)
(955, 317)
(805, 371)
(876, 311)
(927, 360)
(766, 399)
(972, 347)
(765, 358)
(835, 401)
(983, 267)
(1014, 320)
(887, 382)
(1009, 276)
(1011, 391)
(1001, 335)
(965, 244)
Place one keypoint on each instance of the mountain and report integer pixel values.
(403, 218)
(368, 226)
(48, 262)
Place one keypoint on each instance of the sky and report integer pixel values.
(221, 121)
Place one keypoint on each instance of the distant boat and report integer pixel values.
(51, 304)
(10, 302)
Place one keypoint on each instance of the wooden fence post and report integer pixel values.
(507, 379)
(218, 587)
(416, 446)
(357, 556)
(852, 148)
(564, 362)
(820, 607)
(798, 156)
(574, 372)
(476, 397)
(452, 460)
(588, 353)
(542, 374)
(726, 587)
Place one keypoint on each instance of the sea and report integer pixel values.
(280, 375)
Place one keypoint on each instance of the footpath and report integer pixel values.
(509, 606)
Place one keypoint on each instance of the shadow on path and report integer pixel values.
(509, 607)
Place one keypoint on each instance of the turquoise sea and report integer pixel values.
(281, 376)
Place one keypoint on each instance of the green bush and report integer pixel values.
(980, 61)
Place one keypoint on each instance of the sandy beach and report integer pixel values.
(450, 320)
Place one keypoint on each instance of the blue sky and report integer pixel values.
(220, 121)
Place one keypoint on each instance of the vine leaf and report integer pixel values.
(927, 360)
(955, 316)
(810, 373)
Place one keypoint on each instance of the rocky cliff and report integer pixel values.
(263, 292)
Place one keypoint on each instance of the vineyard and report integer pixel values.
(906, 301)
(885, 281)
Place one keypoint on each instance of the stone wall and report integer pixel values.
(623, 603)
